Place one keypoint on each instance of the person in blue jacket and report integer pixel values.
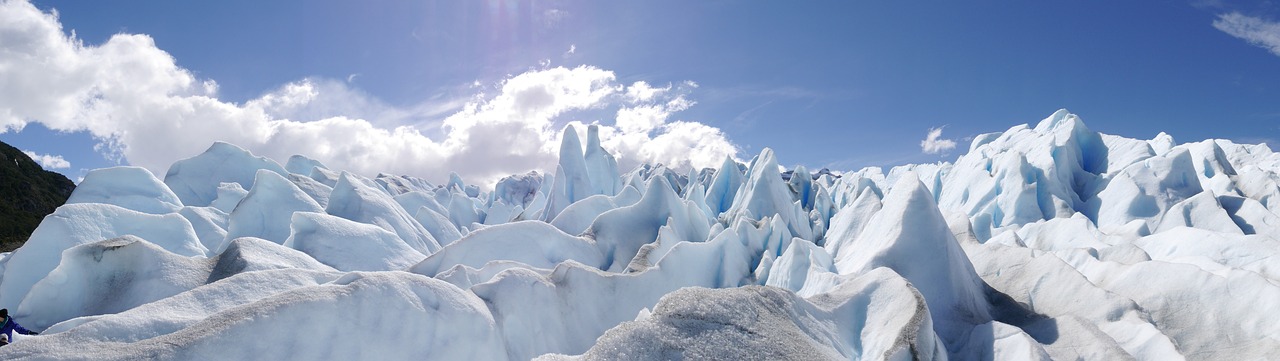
(8, 325)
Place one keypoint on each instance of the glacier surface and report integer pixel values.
(1045, 241)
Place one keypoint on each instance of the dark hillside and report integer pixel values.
(27, 194)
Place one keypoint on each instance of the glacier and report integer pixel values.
(1044, 241)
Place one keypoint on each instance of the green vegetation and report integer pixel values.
(27, 194)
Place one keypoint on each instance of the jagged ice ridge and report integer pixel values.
(1044, 242)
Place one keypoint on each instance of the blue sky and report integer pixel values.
(827, 84)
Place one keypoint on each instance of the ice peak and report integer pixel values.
(224, 147)
(593, 137)
(602, 168)
(1047, 242)
(724, 186)
(195, 180)
(1060, 118)
(910, 227)
(300, 164)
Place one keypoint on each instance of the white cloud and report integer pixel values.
(641, 91)
(144, 108)
(688, 144)
(933, 144)
(1257, 31)
(642, 134)
(641, 119)
(48, 161)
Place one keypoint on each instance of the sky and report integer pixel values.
(486, 88)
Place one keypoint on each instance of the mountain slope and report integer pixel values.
(27, 194)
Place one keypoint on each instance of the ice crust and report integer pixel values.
(195, 180)
(133, 188)
(1045, 241)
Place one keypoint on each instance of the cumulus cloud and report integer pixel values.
(1257, 31)
(144, 108)
(934, 144)
(48, 161)
(641, 91)
(642, 133)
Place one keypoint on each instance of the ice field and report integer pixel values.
(1045, 241)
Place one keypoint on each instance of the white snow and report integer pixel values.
(533, 243)
(355, 199)
(76, 224)
(347, 245)
(769, 323)
(907, 230)
(108, 277)
(195, 180)
(265, 212)
(386, 315)
(229, 194)
(300, 164)
(1050, 241)
(210, 225)
(133, 188)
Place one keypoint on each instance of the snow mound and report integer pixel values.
(210, 225)
(533, 243)
(195, 180)
(373, 308)
(621, 232)
(255, 254)
(355, 199)
(133, 188)
(122, 273)
(347, 245)
(266, 210)
(76, 224)
(756, 322)
(300, 164)
(108, 277)
(184, 309)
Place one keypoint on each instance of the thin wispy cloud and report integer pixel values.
(1257, 31)
(747, 118)
(933, 142)
(783, 92)
(553, 17)
(48, 161)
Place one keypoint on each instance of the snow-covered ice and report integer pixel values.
(1044, 241)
